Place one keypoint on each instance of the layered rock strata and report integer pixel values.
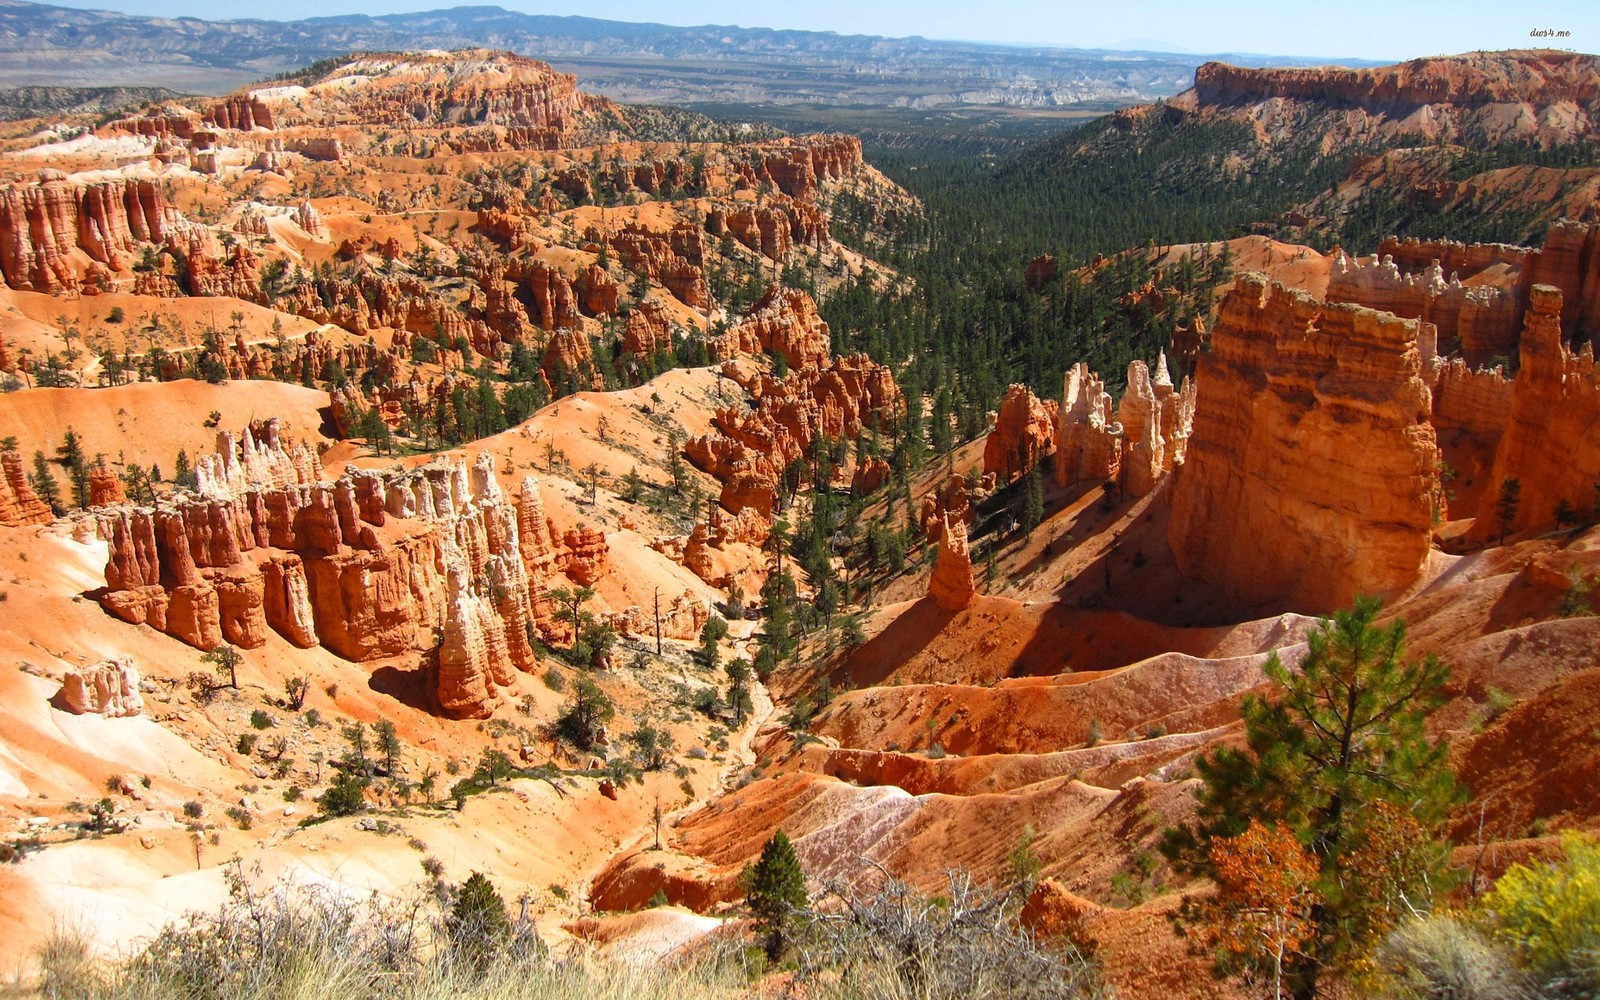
(1311, 472)
(48, 227)
(368, 565)
(1548, 444)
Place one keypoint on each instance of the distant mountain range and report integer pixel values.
(639, 63)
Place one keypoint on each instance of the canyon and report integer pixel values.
(429, 391)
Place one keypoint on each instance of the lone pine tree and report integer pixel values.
(1338, 756)
(775, 888)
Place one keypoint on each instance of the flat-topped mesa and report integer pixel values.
(19, 505)
(1088, 436)
(1482, 321)
(1548, 444)
(1538, 78)
(950, 584)
(1023, 433)
(43, 223)
(1311, 473)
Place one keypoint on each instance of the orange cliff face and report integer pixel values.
(50, 229)
(1023, 433)
(1548, 444)
(1311, 472)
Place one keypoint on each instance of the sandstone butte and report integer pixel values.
(1312, 440)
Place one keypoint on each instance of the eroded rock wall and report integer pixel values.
(1311, 472)
(1549, 444)
(370, 565)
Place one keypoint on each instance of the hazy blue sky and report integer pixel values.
(1359, 28)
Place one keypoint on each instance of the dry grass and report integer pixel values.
(307, 943)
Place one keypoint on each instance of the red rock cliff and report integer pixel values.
(1549, 443)
(43, 223)
(1311, 470)
(1533, 77)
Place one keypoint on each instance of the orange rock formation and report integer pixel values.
(950, 586)
(1548, 444)
(1023, 433)
(364, 565)
(1311, 471)
(19, 505)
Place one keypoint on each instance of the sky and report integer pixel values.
(1398, 29)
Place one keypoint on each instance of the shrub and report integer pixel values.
(246, 744)
(967, 943)
(1440, 956)
(193, 809)
(347, 795)
(100, 816)
(1549, 914)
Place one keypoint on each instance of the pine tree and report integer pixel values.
(72, 458)
(775, 888)
(388, 742)
(1505, 505)
(1033, 500)
(44, 483)
(225, 660)
(182, 474)
(1335, 758)
(738, 672)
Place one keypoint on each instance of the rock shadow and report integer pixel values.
(414, 686)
